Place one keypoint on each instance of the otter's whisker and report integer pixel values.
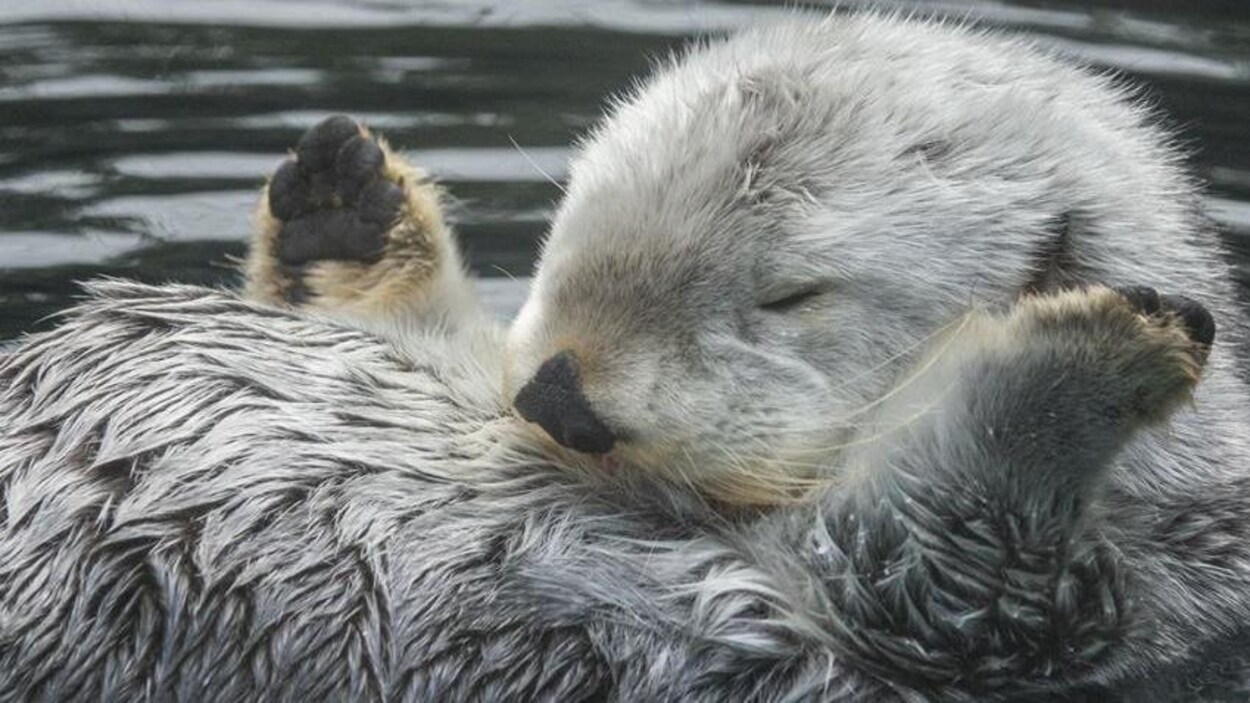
(924, 368)
(534, 164)
(905, 352)
(864, 441)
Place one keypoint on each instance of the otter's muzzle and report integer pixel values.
(553, 398)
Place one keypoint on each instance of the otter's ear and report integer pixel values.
(1055, 264)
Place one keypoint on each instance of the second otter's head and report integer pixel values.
(753, 246)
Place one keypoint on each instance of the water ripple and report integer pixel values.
(134, 134)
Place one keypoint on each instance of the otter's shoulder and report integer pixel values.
(130, 349)
(123, 328)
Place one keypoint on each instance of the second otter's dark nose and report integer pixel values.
(553, 398)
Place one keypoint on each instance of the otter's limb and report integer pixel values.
(347, 227)
(966, 556)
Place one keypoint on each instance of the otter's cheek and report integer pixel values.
(785, 410)
(710, 426)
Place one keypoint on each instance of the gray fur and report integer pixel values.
(247, 504)
(904, 171)
(207, 499)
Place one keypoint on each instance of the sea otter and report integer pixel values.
(844, 377)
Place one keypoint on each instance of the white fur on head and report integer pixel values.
(893, 172)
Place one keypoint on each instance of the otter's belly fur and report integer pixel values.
(207, 498)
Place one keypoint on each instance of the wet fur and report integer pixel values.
(250, 504)
(213, 499)
(902, 171)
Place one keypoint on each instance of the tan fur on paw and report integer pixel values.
(1158, 344)
(346, 224)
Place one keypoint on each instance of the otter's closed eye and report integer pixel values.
(791, 299)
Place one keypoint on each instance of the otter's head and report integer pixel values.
(752, 248)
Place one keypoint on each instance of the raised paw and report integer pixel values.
(1144, 351)
(333, 198)
(1176, 311)
(346, 224)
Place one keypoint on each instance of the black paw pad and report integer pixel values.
(1199, 323)
(1143, 299)
(358, 162)
(333, 198)
(331, 235)
(290, 193)
(320, 145)
(380, 203)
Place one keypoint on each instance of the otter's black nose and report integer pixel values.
(554, 400)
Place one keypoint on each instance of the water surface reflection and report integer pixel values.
(133, 134)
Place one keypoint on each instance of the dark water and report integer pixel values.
(133, 134)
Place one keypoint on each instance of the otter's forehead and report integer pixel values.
(843, 143)
(804, 111)
(682, 160)
(732, 137)
(680, 185)
(638, 289)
